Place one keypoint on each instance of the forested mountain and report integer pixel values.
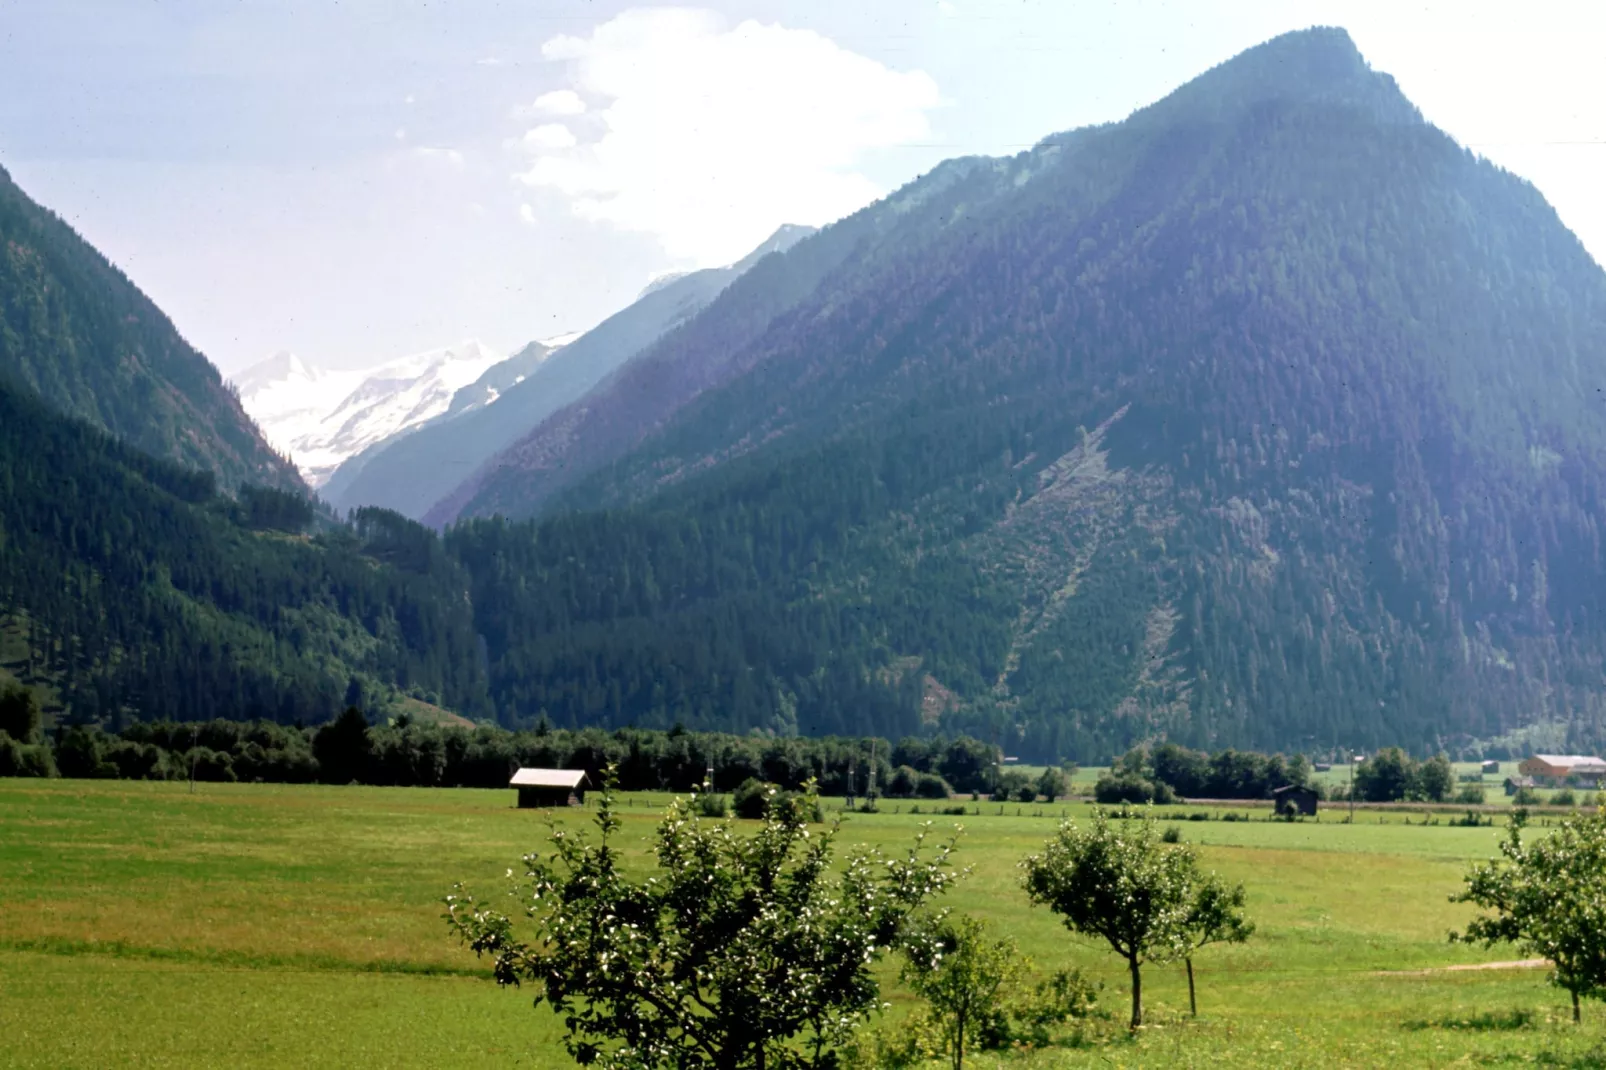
(139, 592)
(77, 332)
(1268, 416)
(413, 473)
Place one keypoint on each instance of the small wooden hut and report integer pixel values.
(1294, 799)
(541, 788)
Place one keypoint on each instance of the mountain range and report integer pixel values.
(320, 418)
(1267, 416)
(413, 473)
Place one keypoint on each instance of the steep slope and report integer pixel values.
(142, 593)
(322, 418)
(1268, 416)
(77, 332)
(482, 392)
(412, 474)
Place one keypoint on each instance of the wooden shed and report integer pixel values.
(1294, 799)
(540, 788)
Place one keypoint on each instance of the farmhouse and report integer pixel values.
(1294, 799)
(1554, 768)
(549, 787)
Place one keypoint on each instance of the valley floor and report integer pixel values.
(260, 925)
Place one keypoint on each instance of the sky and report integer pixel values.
(353, 180)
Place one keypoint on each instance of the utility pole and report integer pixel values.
(1353, 758)
(869, 790)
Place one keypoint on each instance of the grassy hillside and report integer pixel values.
(135, 916)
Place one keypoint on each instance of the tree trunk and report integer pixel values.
(1137, 994)
(959, 1043)
(1576, 1017)
(1193, 1004)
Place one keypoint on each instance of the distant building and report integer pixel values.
(1491, 767)
(1294, 799)
(1322, 767)
(540, 788)
(1516, 783)
(1588, 771)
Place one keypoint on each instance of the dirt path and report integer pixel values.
(1513, 964)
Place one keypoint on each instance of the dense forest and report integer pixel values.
(77, 332)
(139, 591)
(1268, 417)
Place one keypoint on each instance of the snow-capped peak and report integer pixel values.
(322, 417)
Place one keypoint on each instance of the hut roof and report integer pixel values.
(547, 778)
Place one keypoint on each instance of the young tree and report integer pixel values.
(1546, 897)
(963, 974)
(1118, 883)
(1215, 916)
(736, 947)
(1435, 779)
(1052, 784)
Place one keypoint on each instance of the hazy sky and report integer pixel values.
(356, 180)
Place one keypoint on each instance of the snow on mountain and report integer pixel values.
(322, 417)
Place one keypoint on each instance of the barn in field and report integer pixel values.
(540, 788)
(1585, 770)
(1294, 799)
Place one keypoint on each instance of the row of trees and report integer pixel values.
(412, 753)
(1166, 771)
(758, 950)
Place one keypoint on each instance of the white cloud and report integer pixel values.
(527, 214)
(559, 102)
(712, 137)
(548, 136)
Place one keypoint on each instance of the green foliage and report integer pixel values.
(1564, 797)
(1126, 787)
(1051, 784)
(19, 714)
(1545, 896)
(1147, 900)
(741, 950)
(711, 805)
(144, 596)
(965, 977)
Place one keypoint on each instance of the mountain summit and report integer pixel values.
(1268, 416)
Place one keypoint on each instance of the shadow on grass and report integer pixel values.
(1487, 1022)
(1593, 1059)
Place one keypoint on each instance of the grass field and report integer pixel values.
(252, 925)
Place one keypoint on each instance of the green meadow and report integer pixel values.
(260, 925)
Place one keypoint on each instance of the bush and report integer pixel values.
(1564, 797)
(932, 786)
(1471, 795)
(1065, 996)
(1172, 834)
(208, 765)
(902, 783)
(1010, 783)
(1131, 788)
(752, 799)
(1025, 793)
(712, 805)
(24, 759)
(755, 799)
(1525, 797)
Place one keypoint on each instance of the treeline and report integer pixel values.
(140, 592)
(1166, 772)
(415, 754)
